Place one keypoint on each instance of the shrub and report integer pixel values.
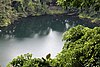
(81, 48)
(27, 61)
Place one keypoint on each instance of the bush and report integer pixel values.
(27, 61)
(81, 48)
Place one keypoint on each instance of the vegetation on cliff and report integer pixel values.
(81, 49)
(10, 10)
(86, 8)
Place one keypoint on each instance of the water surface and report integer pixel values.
(37, 35)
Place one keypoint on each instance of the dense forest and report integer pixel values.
(86, 8)
(81, 44)
(10, 10)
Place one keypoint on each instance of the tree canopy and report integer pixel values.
(80, 3)
(85, 8)
(11, 10)
(81, 48)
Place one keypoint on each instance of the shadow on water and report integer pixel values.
(31, 26)
(41, 25)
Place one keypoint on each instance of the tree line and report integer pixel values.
(10, 10)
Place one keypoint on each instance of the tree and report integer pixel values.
(79, 3)
(81, 48)
(13, 9)
(27, 61)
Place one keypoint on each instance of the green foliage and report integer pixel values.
(81, 49)
(27, 61)
(86, 8)
(13, 9)
(80, 3)
(6, 13)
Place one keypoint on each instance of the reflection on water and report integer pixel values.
(37, 35)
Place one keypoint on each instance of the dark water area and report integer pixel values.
(37, 35)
